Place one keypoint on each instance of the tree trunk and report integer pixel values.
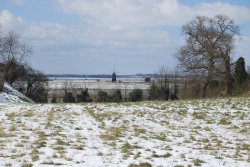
(228, 79)
(209, 76)
(204, 90)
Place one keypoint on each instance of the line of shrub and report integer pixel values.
(102, 96)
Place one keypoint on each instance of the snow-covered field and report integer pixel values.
(180, 133)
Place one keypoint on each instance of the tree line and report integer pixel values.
(102, 96)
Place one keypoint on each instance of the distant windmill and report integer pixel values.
(114, 75)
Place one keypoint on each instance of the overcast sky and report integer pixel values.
(100, 36)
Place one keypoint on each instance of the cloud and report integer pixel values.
(118, 15)
(238, 13)
(18, 2)
(242, 48)
(32, 31)
(9, 22)
(122, 14)
(5, 18)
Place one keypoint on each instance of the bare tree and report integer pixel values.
(165, 86)
(12, 48)
(13, 53)
(36, 85)
(209, 44)
(226, 31)
(163, 81)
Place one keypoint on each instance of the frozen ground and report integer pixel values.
(11, 95)
(181, 133)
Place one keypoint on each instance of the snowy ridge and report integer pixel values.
(11, 95)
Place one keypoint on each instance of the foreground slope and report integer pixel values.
(11, 95)
(197, 133)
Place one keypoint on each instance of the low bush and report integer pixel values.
(68, 97)
(117, 96)
(103, 96)
(84, 96)
(135, 95)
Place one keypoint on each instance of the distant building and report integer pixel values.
(147, 79)
(114, 77)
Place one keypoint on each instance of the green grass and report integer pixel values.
(160, 136)
(50, 117)
(138, 155)
(126, 148)
(7, 164)
(61, 142)
(224, 121)
(167, 155)
(26, 164)
(28, 114)
(11, 115)
(139, 131)
(12, 128)
(197, 162)
(199, 115)
(4, 134)
(34, 154)
(145, 164)
(113, 133)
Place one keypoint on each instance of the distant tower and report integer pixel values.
(114, 77)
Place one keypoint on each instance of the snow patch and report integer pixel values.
(11, 95)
